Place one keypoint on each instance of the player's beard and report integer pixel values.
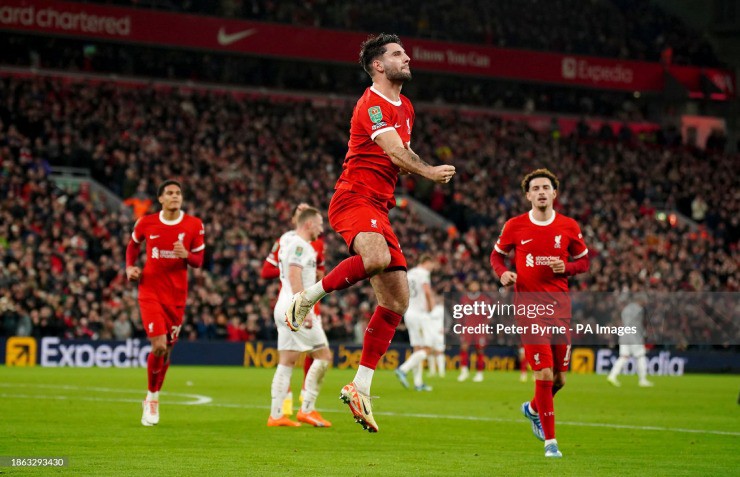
(399, 76)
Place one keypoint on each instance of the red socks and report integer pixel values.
(480, 363)
(545, 407)
(349, 271)
(378, 335)
(161, 374)
(464, 359)
(154, 366)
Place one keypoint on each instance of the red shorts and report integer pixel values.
(351, 213)
(541, 356)
(159, 319)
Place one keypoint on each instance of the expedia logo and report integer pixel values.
(569, 67)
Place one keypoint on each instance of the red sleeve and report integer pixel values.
(379, 117)
(577, 266)
(199, 242)
(318, 245)
(195, 259)
(498, 263)
(577, 247)
(269, 271)
(132, 253)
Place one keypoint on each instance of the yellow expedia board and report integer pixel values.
(20, 351)
(582, 361)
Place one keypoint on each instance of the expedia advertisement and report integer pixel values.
(55, 352)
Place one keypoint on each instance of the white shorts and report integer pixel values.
(418, 328)
(634, 350)
(305, 339)
(435, 333)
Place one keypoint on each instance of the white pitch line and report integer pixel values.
(208, 401)
(197, 399)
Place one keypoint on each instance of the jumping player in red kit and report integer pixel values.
(174, 240)
(543, 240)
(379, 150)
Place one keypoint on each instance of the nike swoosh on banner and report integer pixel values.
(225, 39)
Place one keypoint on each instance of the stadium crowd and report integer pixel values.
(246, 161)
(632, 29)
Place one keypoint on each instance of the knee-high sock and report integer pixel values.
(617, 368)
(441, 364)
(314, 380)
(349, 271)
(415, 358)
(280, 383)
(154, 365)
(464, 358)
(543, 397)
(418, 370)
(162, 373)
(642, 368)
(378, 336)
(306, 367)
(432, 363)
(480, 363)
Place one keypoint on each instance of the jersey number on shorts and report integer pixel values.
(175, 332)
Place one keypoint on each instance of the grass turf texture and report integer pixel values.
(683, 426)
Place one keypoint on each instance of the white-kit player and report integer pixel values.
(632, 345)
(297, 262)
(421, 302)
(436, 360)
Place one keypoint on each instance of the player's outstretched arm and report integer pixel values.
(402, 156)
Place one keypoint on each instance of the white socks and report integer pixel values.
(315, 292)
(415, 358)
(642, 368)
(363, 379)
(617, 368)
(152, 396)
(314, 379)
(280, 384)
(441, 365)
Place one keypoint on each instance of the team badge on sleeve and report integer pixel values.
(298, 251)
(376, 115)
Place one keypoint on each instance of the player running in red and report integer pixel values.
(543, 240)
(379, 150)
(479, 341)
(271, 270)
(174, 240)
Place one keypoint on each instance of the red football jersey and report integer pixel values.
(165, 277)
(367, 169)
(536, 243)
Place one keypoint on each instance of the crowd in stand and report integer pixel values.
(246, 161)
(634, 29)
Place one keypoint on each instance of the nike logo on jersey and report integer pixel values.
(226, 39)
(396, 125)
(152, 237)
(526, 241)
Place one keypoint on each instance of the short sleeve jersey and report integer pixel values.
(295, 251)
(367, 169)
(417, 278)
(165, 276)
(536, 243)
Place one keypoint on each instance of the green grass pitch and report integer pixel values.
(213, 423)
